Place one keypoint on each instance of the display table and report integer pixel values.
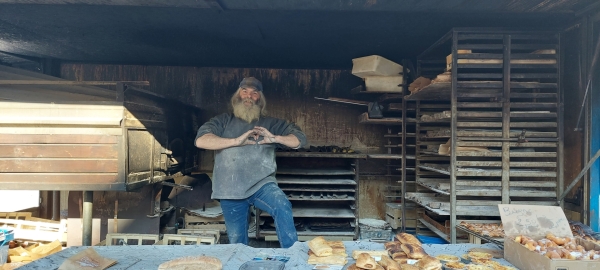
(232, 256)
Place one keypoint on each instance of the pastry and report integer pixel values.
(455, 265)
(333, 259)
(192, 263)
(409, 267)
(429, 263)
(374, 253)
(388, 264)
(365, 261)
(406, 238)
(480, 255)
(447, 258)
(319, 246)
(413, 251)
(478, 267)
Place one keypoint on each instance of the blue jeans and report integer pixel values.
(268, 198)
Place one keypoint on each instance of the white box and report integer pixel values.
(384, 83)
(374, 65)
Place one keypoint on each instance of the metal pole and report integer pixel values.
(576, 180)
(56, 205)
(506, 121)
(453, 139)
(86, 239)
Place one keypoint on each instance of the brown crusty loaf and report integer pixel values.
(406, 238)
(399, 255)
(389, 264)
(413, 251)
(429, 263)
(192, 263)
(365, 261)
(319, 246)
(393, 244)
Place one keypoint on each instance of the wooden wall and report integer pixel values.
(290, 95)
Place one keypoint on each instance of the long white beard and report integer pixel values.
(246, 113)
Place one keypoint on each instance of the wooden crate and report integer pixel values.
(393, 216)
(116, 238)
(445, 228)
(202, 232)
(15, 215)
(396, 223)
(37, 230)
(196, 222)
(182, 239)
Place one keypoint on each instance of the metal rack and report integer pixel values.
(399, 156)
(323, 190)
(503, 123)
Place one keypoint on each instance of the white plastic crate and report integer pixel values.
(375, 65)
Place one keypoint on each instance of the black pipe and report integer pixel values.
(56, 205)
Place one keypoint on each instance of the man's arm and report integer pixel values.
(289, 140)
(211, 141)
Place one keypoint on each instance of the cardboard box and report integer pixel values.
(536, 221)
(375, 65)
(384, 83)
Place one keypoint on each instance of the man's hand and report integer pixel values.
(244, 138)
(268, 137)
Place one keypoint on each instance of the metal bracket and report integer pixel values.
(164, 183)
(522, 138)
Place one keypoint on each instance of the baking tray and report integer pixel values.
(497, 241)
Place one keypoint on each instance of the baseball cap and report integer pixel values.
(251, 82)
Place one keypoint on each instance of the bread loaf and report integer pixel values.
(406, 238)
(413, 251)
(365, 261)
(429, 263)
(192, 263)
(391, 245)
(389, 264)
(319, 247)
(408, 267)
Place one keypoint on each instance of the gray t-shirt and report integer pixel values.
(241, 171)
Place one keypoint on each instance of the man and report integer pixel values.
(244, 170)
